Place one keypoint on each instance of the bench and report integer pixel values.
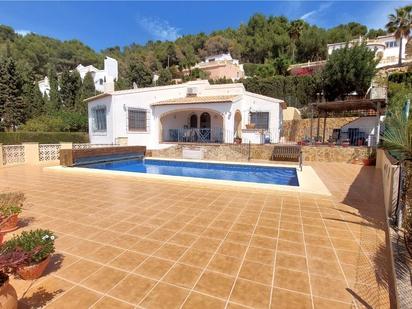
(288, 152)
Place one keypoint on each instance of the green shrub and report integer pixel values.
(11, 203)
(63, 121)
(28, 241)
(13, 138)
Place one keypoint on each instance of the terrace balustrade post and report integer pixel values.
(66, 145)
(324, 126)
(31, 153)
(1, 155)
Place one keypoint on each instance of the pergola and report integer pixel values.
(324, 109)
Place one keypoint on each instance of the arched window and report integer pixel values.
(193, 121)
(205, 121)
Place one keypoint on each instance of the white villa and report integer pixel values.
(386, 48)
(101, 78)
(195, 112)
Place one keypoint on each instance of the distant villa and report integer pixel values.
(101, 78)
(220, 66)
(386, 49)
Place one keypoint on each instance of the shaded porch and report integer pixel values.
(193, 126)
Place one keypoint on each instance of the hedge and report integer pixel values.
(13, 138)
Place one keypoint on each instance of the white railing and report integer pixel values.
(49, 152)
(13, 154)
(88, 145)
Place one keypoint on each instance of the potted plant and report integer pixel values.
(11, 205)
(331, 142)
(238, 139)
(346, 142)
(9, 263)
(27, 242)
(250, 126)
(371, 160)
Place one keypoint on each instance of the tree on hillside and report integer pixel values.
(295, 30)
(400, 24)
(53, 103)
(12, 107)
(87, 90)
(138, 73)
(70, 89)
(347, 70)
(165, 77)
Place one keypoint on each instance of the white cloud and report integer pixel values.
(321, 8)
(160, 29)
(23, 32)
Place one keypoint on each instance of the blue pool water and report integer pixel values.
(235, 172)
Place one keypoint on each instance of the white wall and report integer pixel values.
(102, 137)
(143, 98)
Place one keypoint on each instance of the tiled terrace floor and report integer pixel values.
(127, 243)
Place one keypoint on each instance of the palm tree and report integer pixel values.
(400, 24)
(295, 30)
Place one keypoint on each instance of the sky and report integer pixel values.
(102, 24)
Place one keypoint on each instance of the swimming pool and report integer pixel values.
(233, 172)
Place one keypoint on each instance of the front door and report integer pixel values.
(205, 127)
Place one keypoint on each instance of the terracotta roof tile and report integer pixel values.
(198, 100)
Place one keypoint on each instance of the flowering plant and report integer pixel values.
(39, 243)
(10, 204)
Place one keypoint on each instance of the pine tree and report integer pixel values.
(165, 77)
(70, 89)
(12, 107)
(138, 73)
(54, 101)
(88, 90)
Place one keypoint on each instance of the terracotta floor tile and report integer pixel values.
(183, 239)
(257, 272)
(292, 280)
(104, 279)
(77, 297)
(128, 260)
(79, 270)
(105, 254)
(132, 289)
(330, 288)
(321, 253)
(284, 299)
(146, 246)
(183, 275)
(238, 237)
(290, 261)
(260, 255)
(165, 296)
(225, 264)
(44, 292)
(196, 257)
(251, 294)
(325, 268)
(110, 303)
(291, 247)
(154, 268)
(215, 284)
(201, 301)
(321, 303)
(206, 244)
(170, 251)
(232, 249)
(83, 248)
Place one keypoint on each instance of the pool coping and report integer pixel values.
(309, 181)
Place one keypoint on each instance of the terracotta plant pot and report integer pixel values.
(8, 295)
(251, 126)
(35, 271)
(1, 238)
(238, 141)
(11, 224)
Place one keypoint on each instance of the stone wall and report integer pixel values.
(239, 153)
(296, 130)
(335, 154)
